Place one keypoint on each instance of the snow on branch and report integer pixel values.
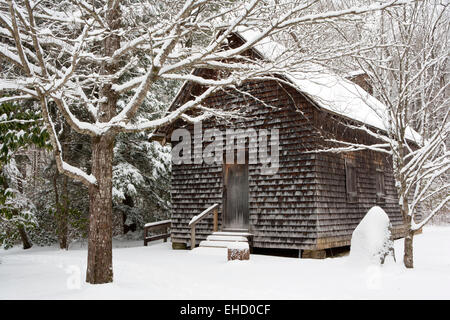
(74, 54)
(63, 167)
(315, 18)
(350, 147)
(15, 98)
(168, 119)
(416, 226)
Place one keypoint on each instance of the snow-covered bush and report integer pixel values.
(16, 210)
(371, 240)
(141, 180)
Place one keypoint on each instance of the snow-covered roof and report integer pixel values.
(328, 90)
(340, 96)
(266, 47)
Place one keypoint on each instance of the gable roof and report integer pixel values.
(329, 91)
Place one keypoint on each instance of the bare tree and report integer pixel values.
(409, 73)
(96, 62)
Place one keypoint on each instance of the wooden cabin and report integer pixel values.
(315, 200)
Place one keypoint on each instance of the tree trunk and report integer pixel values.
(130, 203)
(64, 219)
(99, 266)
(408, 260)
(23, 235)
(22, 232)
(409, 234)
(61, 211)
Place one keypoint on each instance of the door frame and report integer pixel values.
(224, 196)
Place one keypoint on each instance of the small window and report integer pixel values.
(381, 191)
(350, 181)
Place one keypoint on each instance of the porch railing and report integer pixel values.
(198, 218)
(157, 226)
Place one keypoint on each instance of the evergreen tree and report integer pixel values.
(20, 127)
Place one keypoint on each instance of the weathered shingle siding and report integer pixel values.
(337, 218)
(194, 188)
(304, 205)
(282, 211)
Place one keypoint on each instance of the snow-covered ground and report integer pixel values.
(158, 272)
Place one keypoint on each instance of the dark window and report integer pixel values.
(381, 192)
(350, 180)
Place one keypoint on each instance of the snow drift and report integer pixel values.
(371, 240)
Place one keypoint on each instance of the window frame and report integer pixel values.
(351, 181)
(380, 186)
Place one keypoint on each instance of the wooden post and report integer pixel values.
(199, 217)
(193, 237)
(216, 220)
(145, 236)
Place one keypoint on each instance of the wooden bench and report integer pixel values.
(157, 226)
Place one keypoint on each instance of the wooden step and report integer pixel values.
(232, 233)
(213, 244)
(215, 237)
(221, 244)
